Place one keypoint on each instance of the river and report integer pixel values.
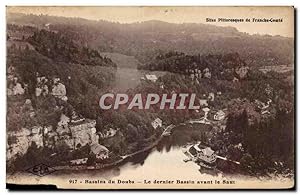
(127, 75)
(163, 161)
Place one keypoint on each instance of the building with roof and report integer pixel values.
(63, 125)
(203, 102)
(235, 80)
(150, 77)
(156, 123)
(100, 151)
(211, 97)
(220, 115)
(109, 133)
(81, 161)
(83, 131)
(203, 153)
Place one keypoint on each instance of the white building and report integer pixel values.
(211, 97)
(220, 115)
(205, 110)
(203, 102)
(80, 161)
(203, 153)
(156, 123)
(100, 151)
(151, 77)
(109, 133)
(235, 80)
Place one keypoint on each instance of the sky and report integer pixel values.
(180, 15)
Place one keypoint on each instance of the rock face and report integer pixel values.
(242, 71)
(59, 90)
(206, 73)
(22, 140)
(63, 125)
(84, 132)
(15, 89)
(194, 74)
(18, 89)
(41, 91)
(73, 133)
(42, 87)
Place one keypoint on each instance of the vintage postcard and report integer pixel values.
(150, 97)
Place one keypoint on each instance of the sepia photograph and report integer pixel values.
(150, 97)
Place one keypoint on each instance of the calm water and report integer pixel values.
(165, 161)
(127, 78)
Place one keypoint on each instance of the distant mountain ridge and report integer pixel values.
(145, 40)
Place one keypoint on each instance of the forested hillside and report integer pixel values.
(147, 39)
(59, 67)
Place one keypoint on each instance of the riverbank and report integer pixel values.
(98, 166)
(109, 165)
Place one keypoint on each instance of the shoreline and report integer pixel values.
(108, 165)
(166, 132)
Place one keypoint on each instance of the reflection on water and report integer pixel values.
(165, 161)
(159, 165)
(127, 78)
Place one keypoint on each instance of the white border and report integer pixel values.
(103, 3)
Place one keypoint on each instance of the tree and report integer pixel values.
(47, 114)
(131, 133)
(99, 124)
(247, 163)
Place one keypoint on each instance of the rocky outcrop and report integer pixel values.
(206, 73)
(59, 90)
(14, 87)
(42, 87)
(242, 71)
(22, 140)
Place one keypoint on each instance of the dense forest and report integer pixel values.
(146, 39)
(70, 49)
(181, 63)
(84, 72)
(61, 48)
(265, 143)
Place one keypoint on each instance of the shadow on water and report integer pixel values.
(167, 148)
(181, 136)
(140, 158)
